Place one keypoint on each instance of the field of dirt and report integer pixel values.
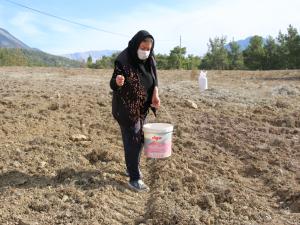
(235, 161)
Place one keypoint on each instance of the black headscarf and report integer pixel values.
(134, 44)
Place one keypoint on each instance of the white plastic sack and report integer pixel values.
(203, 80)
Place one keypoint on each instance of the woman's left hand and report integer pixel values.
(155, 99)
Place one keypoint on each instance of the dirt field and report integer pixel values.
(235, 161)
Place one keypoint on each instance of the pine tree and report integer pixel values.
(272, 60)
(289, 48)
(235, 55)
(217, 55)
(89, 62)
(176, 58)
(254, 54)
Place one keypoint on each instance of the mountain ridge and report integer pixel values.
(15, 52)
(7, 40)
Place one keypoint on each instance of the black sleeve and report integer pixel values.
(117, 71)
(155, 71)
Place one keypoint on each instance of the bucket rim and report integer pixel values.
(164, 127)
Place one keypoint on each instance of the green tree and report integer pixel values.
(217, 55)
(272, 58)
(162, 61)
(176, 58)
(235, 56)
(113, 58)
(289, 48)
(106, 62)
(192, 62)
(13, 57)
(103, 63)
(254, 54)
(206, 62)
(89, 62)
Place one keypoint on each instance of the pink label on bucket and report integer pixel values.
(155, 138)
(157, 155)
(158, 147)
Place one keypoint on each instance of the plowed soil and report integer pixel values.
(235, 161)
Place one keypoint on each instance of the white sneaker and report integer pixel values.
(138, 185)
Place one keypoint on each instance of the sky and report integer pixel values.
(194, 20)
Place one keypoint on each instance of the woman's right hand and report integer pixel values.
(120, 80)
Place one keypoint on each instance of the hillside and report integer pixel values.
(9, 41)
(14, 52)
(29, 57)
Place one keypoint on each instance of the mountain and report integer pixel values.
(29, 57)
(15, 52)
(82, 56)
(244, 43)
(9, 41)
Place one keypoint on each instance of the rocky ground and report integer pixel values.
(235, 161)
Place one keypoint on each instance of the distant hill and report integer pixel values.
(28, 57)
(82, 56)
(243, 43)
(9, 41)
(15, 52)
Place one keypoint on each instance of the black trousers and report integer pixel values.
(133, 140)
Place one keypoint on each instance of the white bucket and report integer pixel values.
(158, 140)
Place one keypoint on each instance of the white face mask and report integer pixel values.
(143, 55)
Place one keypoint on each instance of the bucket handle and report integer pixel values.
(168, 114)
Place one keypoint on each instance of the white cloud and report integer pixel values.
(2, 21)
(60, 27)
(25, 22)
(232, 18)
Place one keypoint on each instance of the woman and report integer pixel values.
(135, 90)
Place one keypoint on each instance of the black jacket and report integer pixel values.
(129, 101)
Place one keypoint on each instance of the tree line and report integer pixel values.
(282, 52)
(26, 57)
(177, 59)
